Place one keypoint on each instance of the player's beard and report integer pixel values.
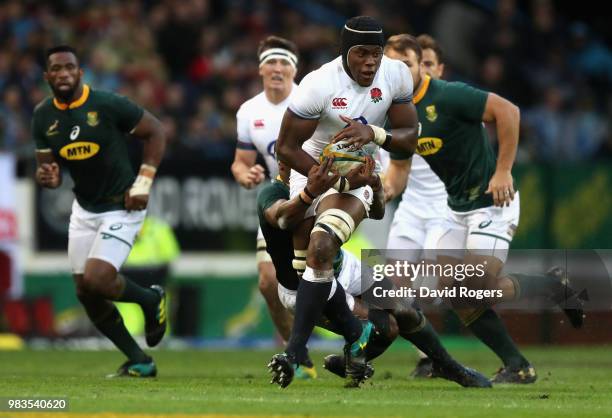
(66, 95)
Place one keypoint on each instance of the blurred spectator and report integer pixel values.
(544, 126)
(192, 62)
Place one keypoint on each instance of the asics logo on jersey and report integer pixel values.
(74, 132)
(339, 103)
(484, 224)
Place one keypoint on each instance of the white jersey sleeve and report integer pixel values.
(309, 100)
(400, 78)
(245, 141)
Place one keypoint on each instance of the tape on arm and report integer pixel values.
(144, 180)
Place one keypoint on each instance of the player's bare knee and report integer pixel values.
(321, 251)
(100, 278)
(268, 284)
(82, 291)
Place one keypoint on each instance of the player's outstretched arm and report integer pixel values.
(507, 119)
(289, 213)
(149, 129)
(47, 170)
(396, 177)
(245, 171)
(293, 132)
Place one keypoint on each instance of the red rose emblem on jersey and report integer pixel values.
(376, 95)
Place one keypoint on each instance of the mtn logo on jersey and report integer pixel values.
(428, 146)
(258, 124)
(81, 150)
(339, 103)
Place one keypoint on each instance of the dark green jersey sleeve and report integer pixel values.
(126, 113)
(38, 134)
(464, 102)
(269, 194)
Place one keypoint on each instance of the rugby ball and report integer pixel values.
(346, 156)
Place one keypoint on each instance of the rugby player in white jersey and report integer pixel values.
(277, 215)
(258, 121)
(349, 99)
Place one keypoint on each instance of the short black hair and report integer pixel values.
(277, 42)
(60, 48)
(428, 42)
(402, 42)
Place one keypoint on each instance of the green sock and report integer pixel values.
(426, 339)
(534, 285)
(490, 329)
(111, 325)
(145, 297)
(380, 338)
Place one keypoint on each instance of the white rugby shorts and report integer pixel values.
(486, 231)
(107, 236)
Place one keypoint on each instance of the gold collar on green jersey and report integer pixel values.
(78, 102)
(279, 178)
(422, 89)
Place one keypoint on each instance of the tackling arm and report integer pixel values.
(290, 213)
(377, 210)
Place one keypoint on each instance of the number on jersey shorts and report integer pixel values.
(107, 236)
(261, 256)
(486, 231)
(297, 183)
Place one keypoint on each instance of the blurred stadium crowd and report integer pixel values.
(193, 62)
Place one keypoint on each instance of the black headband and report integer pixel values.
(360, 30)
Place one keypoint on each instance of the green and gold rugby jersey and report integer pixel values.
(89, 138)
(454, 142)
(279, 243)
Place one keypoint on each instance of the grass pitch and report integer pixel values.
(574, 382)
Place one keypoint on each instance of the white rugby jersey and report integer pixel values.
(425, 195)
(329, 92)
(258, 122)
